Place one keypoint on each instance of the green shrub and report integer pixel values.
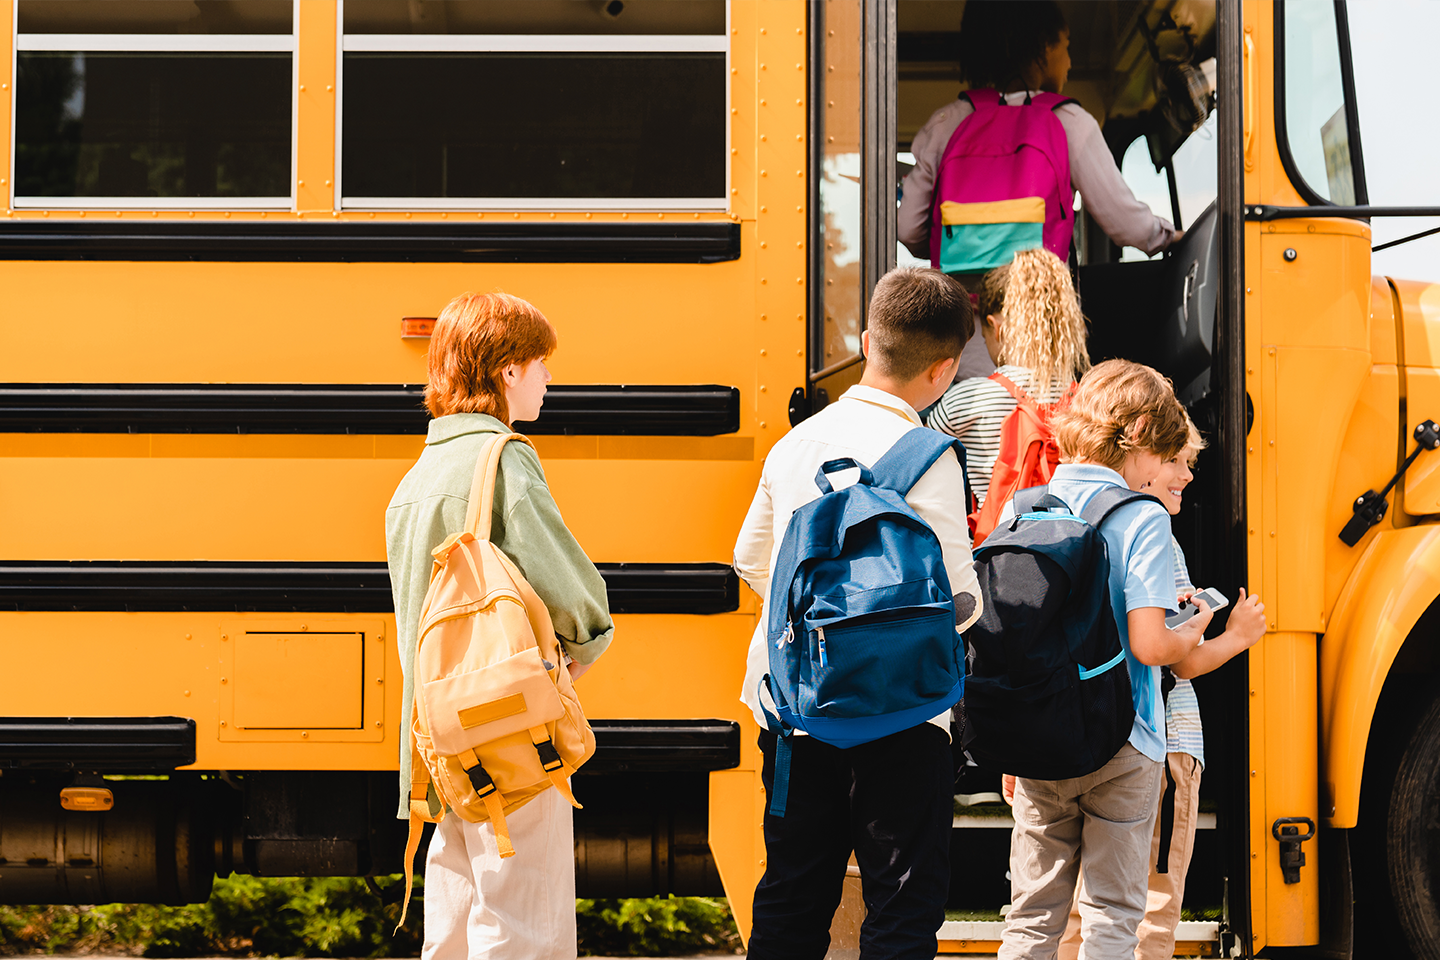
(654, 927)
(245, 916)
(337, 917)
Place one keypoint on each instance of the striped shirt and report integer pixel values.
(974, 409)
(1183, 733)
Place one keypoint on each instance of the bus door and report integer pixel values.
(852, 187)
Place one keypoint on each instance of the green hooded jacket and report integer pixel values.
(430, 504)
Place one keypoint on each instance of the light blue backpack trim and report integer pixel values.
(1114, 661)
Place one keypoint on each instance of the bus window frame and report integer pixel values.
(532, 43)
(1352, 116)
(159, 43)
(878, 180)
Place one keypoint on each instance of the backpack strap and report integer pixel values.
(1021, 398)
(911, 456)
(780, 782)
(419, 811)
(482, 488)
(489, 794)
(1110, 499)
(1052, 101)
(555, 768)
(982, 100)
(1028, 499)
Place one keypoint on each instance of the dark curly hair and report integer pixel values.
(1000, 38)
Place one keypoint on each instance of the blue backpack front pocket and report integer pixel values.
(868, 668)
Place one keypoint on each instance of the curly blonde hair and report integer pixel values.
(1043, 329)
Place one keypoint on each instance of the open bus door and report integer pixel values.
(852, 186)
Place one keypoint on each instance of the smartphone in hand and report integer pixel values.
(1214, 598)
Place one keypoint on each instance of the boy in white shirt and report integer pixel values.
(889, 801)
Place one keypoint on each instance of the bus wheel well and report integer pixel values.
(1406, 698)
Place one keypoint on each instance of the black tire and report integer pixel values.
(1412, 842)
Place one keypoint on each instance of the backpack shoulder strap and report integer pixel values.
(913, 454)
(1011, 387)
(1110, 499)
(1025, 500)
(982, 100)
(482, 488)
(1052, 101)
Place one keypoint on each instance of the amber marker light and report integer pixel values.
(416, 328)
(87, 799)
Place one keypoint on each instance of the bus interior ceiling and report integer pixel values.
(1159, 311)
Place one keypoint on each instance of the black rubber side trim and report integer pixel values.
(671, 587)
(272, 587)
(97, 743)
(348, 241)
(664, 746)
(691, 410)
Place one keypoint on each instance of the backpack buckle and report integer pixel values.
(549, 756)
(480, 780)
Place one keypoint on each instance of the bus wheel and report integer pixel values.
(1413, 841)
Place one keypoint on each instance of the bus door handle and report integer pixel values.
(1287, 831)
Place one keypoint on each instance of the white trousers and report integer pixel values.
(520, 908)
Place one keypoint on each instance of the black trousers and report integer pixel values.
(890, 801)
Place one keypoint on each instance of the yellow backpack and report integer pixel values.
(496, 719)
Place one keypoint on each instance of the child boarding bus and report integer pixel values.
(226, 230)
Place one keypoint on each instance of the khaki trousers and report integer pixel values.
(518, 908)
(1105, 819)
(1181, 798)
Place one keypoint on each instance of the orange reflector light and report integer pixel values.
(412, 328)
(87, 799)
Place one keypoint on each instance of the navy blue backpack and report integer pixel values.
(1048, 696)
(861, 618)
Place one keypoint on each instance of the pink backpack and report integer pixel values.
(1002, 185)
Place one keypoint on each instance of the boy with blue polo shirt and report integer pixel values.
(1121, 427)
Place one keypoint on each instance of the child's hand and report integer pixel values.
(1247, 620)
(1007, 788)
(1193, 630)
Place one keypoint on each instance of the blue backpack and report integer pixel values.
(861, 618)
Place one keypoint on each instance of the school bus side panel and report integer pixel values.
(1307, 322)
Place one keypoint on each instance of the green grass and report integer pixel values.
(337, 917)
(976, 916)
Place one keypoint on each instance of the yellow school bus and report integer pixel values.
(228, 225)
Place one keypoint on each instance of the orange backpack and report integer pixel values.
(496, 719)
(1028, 454)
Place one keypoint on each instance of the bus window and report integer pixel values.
(1150, 186)
(1196, 171)
(839, 279)
(1316, 128)
(153, 104)
(543, 105)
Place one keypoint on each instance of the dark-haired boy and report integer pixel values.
(890, 801)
